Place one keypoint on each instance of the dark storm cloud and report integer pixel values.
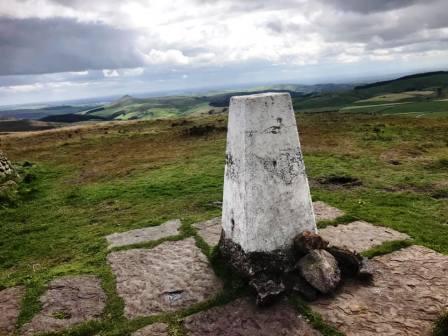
(31, 46)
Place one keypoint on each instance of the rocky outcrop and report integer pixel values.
(7, 171)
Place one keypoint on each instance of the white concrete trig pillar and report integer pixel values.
(267, 198)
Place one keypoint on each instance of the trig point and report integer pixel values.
(267, 198)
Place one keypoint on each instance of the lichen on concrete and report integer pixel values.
(265, 184)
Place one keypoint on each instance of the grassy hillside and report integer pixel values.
(129, 108)
(90, 181)
(408, 83)
(423, 93)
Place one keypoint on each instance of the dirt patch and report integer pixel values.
(10, 300)
(67, 302)
(202, 130)
(360, 236)
(170, 228)
(409, 293)
(156, 329)
(339, 181)
(171, 276)
(243, 318)
(323, 211)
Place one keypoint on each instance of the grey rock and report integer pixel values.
(359, 236)
(268, 289)
(10, 300)
(321, 270)
(69, 301)
(169, 277)
(307, 241)
(156, 329)
(170, 228)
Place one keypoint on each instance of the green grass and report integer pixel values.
(150, 172)
(441, 326)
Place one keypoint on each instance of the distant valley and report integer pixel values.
(416, 95)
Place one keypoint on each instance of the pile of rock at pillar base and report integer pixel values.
(310, 268)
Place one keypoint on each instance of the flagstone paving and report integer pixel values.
(242, 317)
(323, 211)
(409, 292)
(170, 228)
(156, 329)
(68, 301)
(168, 277)
(10, 300)
(210, 230)
(360, 236)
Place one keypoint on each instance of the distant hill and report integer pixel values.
(7, 126)
(421, 81)
(39, 113)
(71, 118)
(223, 100)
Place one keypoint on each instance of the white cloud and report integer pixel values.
(170, 56)
(79, 73)
(22, 88)
(110, 73)
(133, 72)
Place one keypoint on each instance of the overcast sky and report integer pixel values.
(64, 49)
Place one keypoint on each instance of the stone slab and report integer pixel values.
(210, 230)
(10, 300)
(156, 329)
(170, 228)
(68, 301)
(168, 277)
(241, 317)
(325, 212)
(410, 290)
(360, 236)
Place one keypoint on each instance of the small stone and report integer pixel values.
(307, 241)
(366, 270)
(268, 289)
(349, 262)
(300, 286)
(321, 270)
